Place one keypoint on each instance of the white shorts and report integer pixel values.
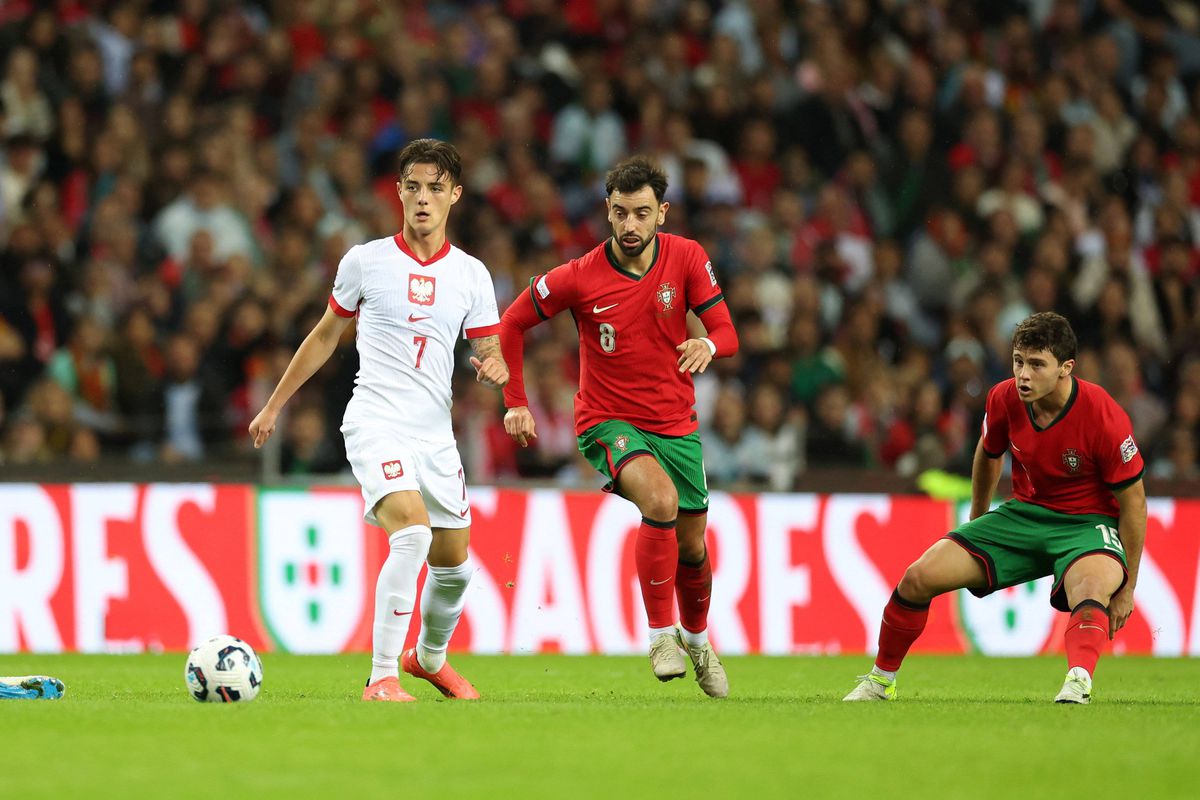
(385, 461)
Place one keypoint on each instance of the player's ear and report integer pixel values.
(662, 211)
(455, 193)
(1067, 366)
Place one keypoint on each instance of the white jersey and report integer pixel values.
(410, 315)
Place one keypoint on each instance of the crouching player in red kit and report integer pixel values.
(633, 414)
(1078, 512)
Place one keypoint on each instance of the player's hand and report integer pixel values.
(263, 426)
(518, 423)
(1119, 609)
(491, 371)
(696, 356)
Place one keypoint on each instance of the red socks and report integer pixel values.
(693, 589)
(902, 624)
(656, 553)
(1086, 635)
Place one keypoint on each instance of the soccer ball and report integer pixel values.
(223, 670)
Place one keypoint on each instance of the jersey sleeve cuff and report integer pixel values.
(709, 303)
(1128, 481)
(486, 330)
(536, 305)
(990, 454)
(345, 313)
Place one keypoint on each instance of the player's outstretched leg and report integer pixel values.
(903, 622)
(31, 687)
(395, 593)
(947, 565)
(442, 603)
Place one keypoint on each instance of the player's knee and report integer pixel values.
(1092, 587)
(916, 586)
(660, 503)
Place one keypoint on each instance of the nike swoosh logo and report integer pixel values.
(415, 318)
(702, 599)
(463, 513)
(598, 309)
(1093, 627)
(658, 583)
(401, 613)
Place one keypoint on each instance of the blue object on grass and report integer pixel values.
(31, 687)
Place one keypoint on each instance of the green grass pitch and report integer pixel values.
(574, 727)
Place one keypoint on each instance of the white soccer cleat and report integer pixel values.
(710, 673)
(666, 657)
(1077, 688)
(872, 687)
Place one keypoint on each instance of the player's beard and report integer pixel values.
(638, 249)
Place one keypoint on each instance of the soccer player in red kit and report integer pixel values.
(1078, 512)
(634, 420)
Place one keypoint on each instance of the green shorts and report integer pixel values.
(1019, 542)
(610, 445)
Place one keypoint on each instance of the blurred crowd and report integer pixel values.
(885, 187)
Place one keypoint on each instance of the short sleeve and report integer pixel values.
(347, 285)
(556, 290)
(995, 423)
(482, 319)
(702, 290)
(1116, 452)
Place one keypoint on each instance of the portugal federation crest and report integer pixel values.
(666, 296)
(621, 442)
(1072, 460)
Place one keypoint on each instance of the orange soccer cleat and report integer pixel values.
(445, 680)
(387, 690)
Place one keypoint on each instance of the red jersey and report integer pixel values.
(1073, 464)
(629, 327)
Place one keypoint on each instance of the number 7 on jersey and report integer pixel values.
(420, 343)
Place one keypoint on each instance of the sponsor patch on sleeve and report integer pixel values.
(543, 289)
(1128, 450)
(712, 276)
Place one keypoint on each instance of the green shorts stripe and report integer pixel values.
(1018, 542)
(610, 445)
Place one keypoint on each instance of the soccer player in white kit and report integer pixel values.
(413, 294)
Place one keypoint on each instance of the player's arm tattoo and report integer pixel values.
(486, 347)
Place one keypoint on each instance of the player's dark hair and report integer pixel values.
(635, 172)
(442, 155)
(1047, 331)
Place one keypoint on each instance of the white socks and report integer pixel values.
(442, 603)
(693, 639)
(657, 632)
(395, 592)
(883, 673)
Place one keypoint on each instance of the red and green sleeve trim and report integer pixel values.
(709, 303)
(533, 296)
(1119, 485)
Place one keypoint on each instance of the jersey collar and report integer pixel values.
(612, 259)
(404, 248)
(1067, 407)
